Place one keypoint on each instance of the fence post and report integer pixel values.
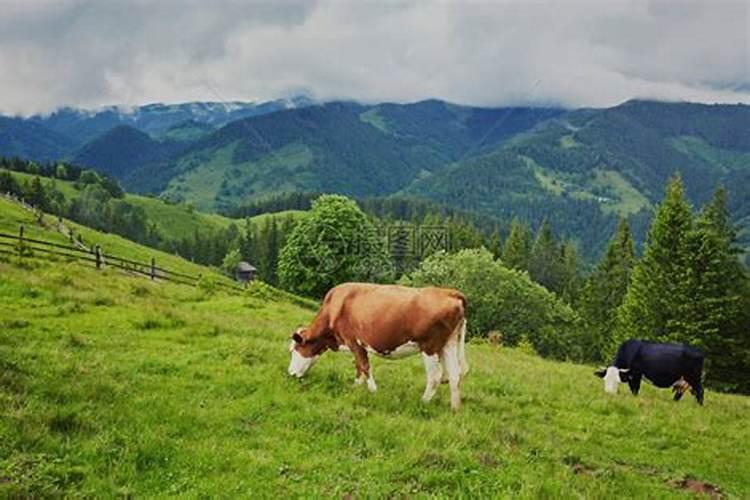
(153, 268)
(20, 240)
(98, 252)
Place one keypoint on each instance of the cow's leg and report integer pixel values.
(364, 371)
(452, 365)
(678, 392)
(434, 371)
(635, 383)
(696, 387)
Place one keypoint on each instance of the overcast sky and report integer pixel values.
(90, 53)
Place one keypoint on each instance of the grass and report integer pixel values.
(568, 141)
(613, 192)
(205, 173)
(722, 159)
(374, 118)
(173, 220)
(627, 199)
(12, 216)
(176, 221)
(112, 385)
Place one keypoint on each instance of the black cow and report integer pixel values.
(665, 365)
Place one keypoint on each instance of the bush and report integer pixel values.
(504, 300)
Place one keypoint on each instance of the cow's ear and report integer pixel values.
(600, 372)
(297, 338)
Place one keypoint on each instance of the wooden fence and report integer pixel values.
(21, 245)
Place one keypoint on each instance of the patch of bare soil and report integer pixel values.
(695, 486)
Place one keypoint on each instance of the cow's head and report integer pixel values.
(305, 351)
(613, 376)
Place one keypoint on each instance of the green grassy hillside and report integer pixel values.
(173, 220)
(12, 216)
(112, 385)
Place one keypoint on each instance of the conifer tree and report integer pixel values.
(545, 261)
(570, 281)
(604, 290)
(655, 301)
(717, 281)
(518, 246)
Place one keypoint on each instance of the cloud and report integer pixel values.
(90, 53)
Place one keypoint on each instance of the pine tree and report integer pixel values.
(517, 247)
(654, 305)
(37, 196)
(570, 280)
(716, 284)
(545, 261)
(494, 244)
(604, 290)
(247, 243)
(268, 246)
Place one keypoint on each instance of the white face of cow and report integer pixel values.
(612, 380)
(304, 354)
(299, 364)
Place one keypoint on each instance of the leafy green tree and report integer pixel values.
(92, 207)
(517, 247)
(61, 172)
(604, 290)
(504, 300)
(335, 242)
(231, 261)
(89, 177)
(654, 305)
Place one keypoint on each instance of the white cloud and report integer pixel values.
(594, 53)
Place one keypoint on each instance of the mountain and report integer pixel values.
(621, 157)
(123, 148)
(27, 139)
(339, 147)
(585, 167)
(74, 127)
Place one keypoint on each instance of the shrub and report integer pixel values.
(505, 300)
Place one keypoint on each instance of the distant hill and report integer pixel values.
(27, 139)
(58, 134)
(583, 168)
(337, 147)
(122, 149)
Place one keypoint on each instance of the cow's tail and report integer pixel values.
(462, 348)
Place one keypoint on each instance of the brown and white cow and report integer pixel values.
(389, 321)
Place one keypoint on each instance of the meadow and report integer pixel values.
(114, 385)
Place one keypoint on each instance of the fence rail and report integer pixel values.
(19, 244)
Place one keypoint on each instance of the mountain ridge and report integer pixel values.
(571, 166)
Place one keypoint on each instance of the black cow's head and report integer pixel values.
(613, 376)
